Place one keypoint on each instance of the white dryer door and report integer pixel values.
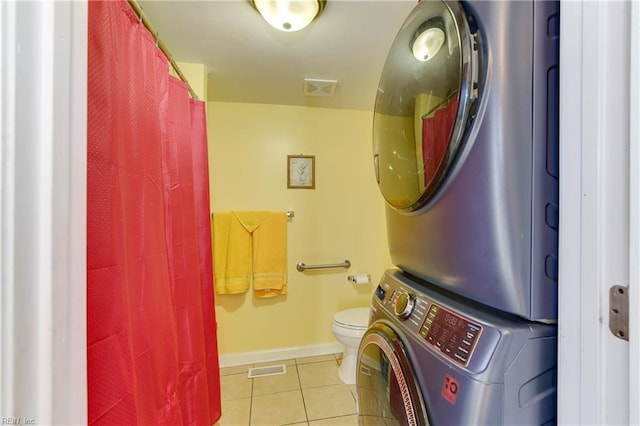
(425, 99)
(388, 392)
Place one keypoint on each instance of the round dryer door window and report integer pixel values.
(423, 103)
(388, 392)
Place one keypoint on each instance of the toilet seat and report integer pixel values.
(352, 319)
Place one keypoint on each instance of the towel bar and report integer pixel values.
(301, 267)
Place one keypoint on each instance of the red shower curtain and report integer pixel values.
(436, 135)
(152, 351)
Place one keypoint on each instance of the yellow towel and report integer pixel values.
(269, 269)
(231, 254)
(270, 256)
(251, 220)
(250, 244)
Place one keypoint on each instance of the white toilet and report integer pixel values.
(349, 327)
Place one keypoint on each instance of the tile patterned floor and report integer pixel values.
(309, 393)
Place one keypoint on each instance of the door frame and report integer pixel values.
(43, 94)
(598, 373)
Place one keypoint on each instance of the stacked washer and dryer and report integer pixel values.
(466, 156)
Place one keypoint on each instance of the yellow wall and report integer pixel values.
(196, 75)
(343, 218)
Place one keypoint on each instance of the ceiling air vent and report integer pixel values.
(315, 87)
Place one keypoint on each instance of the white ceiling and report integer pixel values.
(250, 62)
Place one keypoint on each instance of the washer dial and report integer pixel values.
(405, 302)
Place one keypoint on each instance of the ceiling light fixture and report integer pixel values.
(428, 40)
(289, 15)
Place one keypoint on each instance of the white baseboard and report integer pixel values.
(279, 354)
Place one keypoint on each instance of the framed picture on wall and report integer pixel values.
(301, 171)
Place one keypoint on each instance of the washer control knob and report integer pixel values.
(404, 305)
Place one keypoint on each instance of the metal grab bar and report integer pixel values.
(301, 267)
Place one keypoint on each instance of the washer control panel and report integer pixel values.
(454, 336)
(451, 334)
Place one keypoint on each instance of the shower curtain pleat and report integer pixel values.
(151, 351)
(200, 157)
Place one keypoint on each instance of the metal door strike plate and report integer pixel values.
(619, 311)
